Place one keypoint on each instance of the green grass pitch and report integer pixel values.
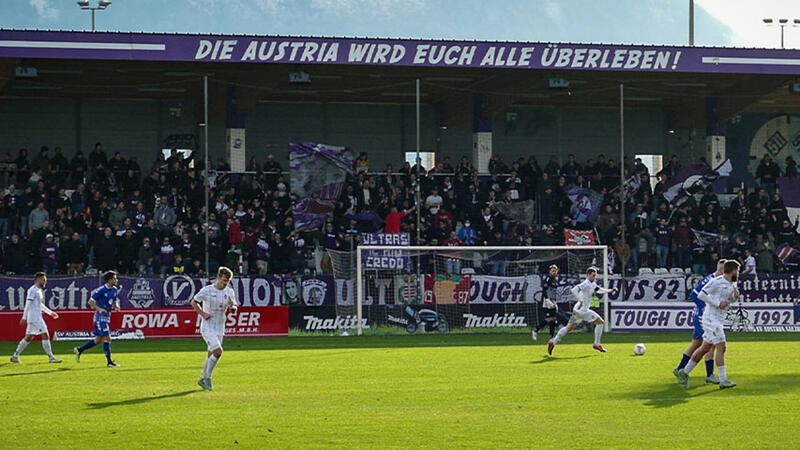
(442, 391)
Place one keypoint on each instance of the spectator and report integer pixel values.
(164, 214)
(117, 216)
(467, 234)
(105, 251)
(179, 266)
(74, 254)
(38, 217)
(98, 161)
(749, 263)
(663, 240)
(394, 218)
(683, 241)
(262, 254)
(49, 255)
(144, 261)
(767, 173)
(362, 163)
(41, 161)
(166, 256)
(791, 167)
(12, 202)
(765, 250)
(434, 202)
(14, 256)
(127, 252)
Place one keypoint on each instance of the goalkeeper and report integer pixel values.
(552, 317)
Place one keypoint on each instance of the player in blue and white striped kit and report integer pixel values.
(697, 335)
(104, 300)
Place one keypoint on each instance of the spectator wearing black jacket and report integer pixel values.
(127, 252)
(14, 256)
(767, 173)
(105, 251)
(74, 254)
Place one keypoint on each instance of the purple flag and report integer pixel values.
(585, 203)
(687, 180)
(318, 174)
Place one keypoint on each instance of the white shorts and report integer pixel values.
(713, 332)
(36, 328)
(213, 340)
(579, 316)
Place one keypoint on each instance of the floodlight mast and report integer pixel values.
(101, 5)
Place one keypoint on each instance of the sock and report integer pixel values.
(107, 351)
(560, 335)
(684, 359)
(598, 331)
(723, 374)
(552, 329)
(689, 366)
(20, 347)
(47, 348)
(87, 345)
(205, 368)
(709, 367)
(212, 363)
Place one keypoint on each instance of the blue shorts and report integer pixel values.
(698, 327)
(101, 328)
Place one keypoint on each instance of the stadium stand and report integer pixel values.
(100, 213)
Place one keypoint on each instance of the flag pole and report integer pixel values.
(206, 183)
(622, 176)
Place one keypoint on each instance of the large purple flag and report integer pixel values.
(688, 179)
(318, 174)
(585, 203)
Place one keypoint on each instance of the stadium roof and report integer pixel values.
(171, 66)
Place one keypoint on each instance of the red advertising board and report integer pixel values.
(256, 321)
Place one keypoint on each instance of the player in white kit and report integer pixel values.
(212, 304)
(717, 294)
(581, 312)
(32, 316)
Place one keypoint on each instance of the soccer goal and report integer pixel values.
(438, 289)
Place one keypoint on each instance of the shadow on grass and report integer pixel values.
(136, 401)
(556, 359)
(38, 372)
(671, 394)
(523, 338)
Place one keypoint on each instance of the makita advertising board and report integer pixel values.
(413, 318)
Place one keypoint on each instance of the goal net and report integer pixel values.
(423, 289)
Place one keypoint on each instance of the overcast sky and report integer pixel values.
(718, 22)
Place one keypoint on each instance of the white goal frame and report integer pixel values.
(362, 248)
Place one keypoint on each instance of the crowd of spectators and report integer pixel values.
(68, 215)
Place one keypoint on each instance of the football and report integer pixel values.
(639, 349)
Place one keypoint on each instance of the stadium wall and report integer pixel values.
(137, 128)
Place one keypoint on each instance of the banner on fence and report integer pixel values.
(385, 259)
(73, 292)
(658, 316)
(154, 323)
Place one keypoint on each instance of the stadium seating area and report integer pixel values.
(69, 215)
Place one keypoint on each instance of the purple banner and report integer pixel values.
(388, 52)
(74, 292)
(318, 174)
(655, 316)
(770, 288)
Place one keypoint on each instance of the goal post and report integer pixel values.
(432, 288)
